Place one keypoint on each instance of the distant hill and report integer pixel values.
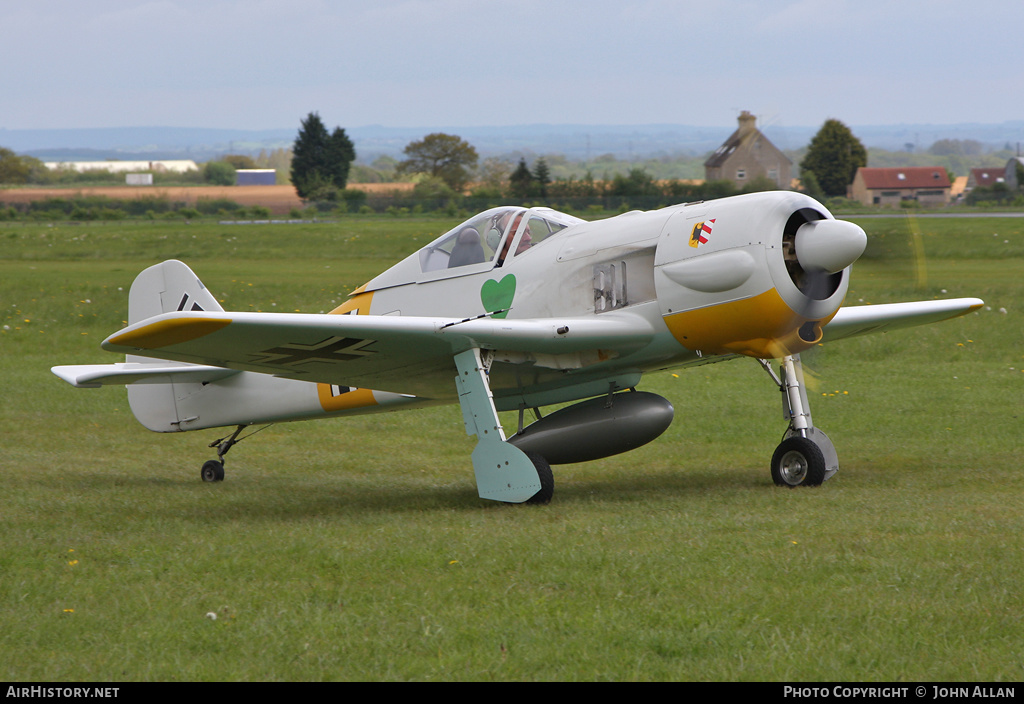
(574, 141)
(127, 143)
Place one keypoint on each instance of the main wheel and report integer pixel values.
(798, 462)
(213, 471)
(547, 480)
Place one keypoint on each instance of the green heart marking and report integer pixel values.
(498, 295)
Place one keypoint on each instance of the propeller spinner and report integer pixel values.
(829, 245)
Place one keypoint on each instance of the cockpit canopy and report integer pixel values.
(484, 241)
(480, 238)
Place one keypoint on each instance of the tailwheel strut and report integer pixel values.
(213, 470)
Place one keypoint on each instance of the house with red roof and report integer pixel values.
(988, 176)
(927, 185)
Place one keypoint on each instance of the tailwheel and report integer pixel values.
(213, 471)
(798, 462)
(547, 480)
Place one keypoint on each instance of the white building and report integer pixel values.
(160, 166)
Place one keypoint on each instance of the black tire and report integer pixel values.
(547, 480)
(798, 462)
(213, 471)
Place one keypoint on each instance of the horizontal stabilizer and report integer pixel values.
(93, 376)
(865, 320)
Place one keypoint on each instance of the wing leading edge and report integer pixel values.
(404, 354)
(864, 320)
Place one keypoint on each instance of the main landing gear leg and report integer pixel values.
(213, 470)
(503, 471)
(806, 456)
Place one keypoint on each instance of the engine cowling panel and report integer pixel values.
(757, 275)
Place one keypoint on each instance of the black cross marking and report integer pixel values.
(333, 349)
(184, 303)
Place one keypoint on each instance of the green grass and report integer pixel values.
(357, 549)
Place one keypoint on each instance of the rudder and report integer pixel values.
(163, 288)
(167, 287)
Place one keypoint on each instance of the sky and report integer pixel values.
(265, 64)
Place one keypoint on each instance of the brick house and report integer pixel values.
(928, 185)
(747, 155)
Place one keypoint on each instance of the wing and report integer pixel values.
(864, 320)
(403, 354)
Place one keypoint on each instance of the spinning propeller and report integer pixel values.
(817, 250)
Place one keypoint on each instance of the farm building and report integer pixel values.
(159, 166)
(928, 185)
(1014, 173)
(257, 177)
(747, 155)
(986, 177)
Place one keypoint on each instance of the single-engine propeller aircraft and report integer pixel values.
(518, 309)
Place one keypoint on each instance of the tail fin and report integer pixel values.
(167, 287)
(164, 288)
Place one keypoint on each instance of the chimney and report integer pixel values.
(747, 122)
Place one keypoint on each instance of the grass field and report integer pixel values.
(358, 550)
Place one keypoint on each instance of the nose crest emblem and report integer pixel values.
(700, 232)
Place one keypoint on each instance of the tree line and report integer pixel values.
(447, 168)
(445, 164)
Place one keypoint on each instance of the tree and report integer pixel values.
(494, 173)
(432, 188)
(492, 178)
(759, 183)
(280, 160)
(520, 183)
(445, 156)
(219, 173)
(834, 156)
(239, 161)
(340, 155)
(320, 159)
(637, 183)
(956, 147)
(385, 166)
(13, 168)
(541, 177)
(811, 185)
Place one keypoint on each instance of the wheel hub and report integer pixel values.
(793, 467)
